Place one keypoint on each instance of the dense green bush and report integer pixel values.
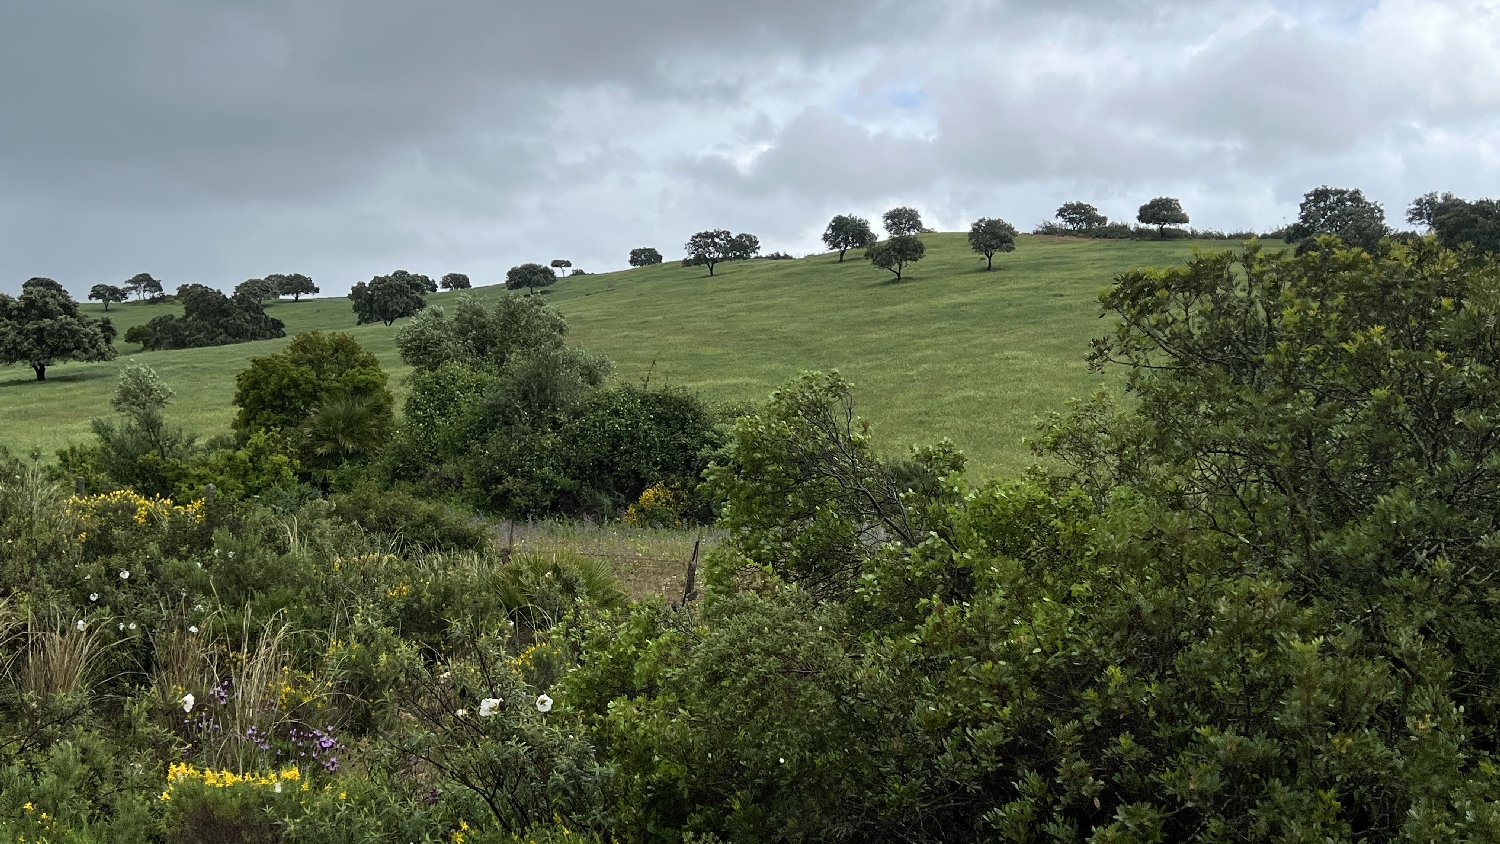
(209, 318)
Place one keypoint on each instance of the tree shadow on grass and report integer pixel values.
(63, 378)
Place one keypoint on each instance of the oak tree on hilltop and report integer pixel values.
(645, 256)
(896, 253)
(990, 235)
(1161, 212)
(904, 220)
(387, 298)
(455, 281)
(529, 276)
(107, 293)
(845, 232)
(1080, 216)
(1344, 213)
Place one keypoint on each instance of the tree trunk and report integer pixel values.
(989, 262)
(841, 255)
(710, 269)
(41, 372)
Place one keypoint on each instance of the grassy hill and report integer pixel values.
(951, 351)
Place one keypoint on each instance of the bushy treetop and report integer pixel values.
(1341, 212)
(990, 235)
(44, 326)
(645, 256)
(530, 276)
(845, 232)
(903, 220)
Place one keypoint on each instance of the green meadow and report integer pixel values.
(951, 351)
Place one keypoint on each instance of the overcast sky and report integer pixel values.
(212, 141)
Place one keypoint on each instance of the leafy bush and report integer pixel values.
(412, 523)
(209, 318)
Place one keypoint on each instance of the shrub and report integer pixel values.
(411, 523)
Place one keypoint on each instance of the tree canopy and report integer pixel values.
(903, 220)
(530, 276)
(295, 285)
(485, 339)
(387, 298)
(1080, 216)
(144, 286)
(644, 256)
(896, 253)
(1341, 212)
(282, 391)
(107, 293)
(209, 318)
(990, 235)
(845, 232)
(44, 326)
(709, 249)
(1161, 212)
(455, 281)
(559, 265)
(1459, 223)
(257, 290)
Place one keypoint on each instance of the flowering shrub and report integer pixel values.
(124, 521)
(659, 506)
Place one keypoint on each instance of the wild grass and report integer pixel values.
(60, 659)
(952, 351)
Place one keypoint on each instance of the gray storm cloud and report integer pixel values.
(214, 141)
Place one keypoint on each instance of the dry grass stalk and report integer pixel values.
(60, 661)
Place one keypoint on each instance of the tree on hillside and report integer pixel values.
(896, 253)
(902, 221)
(1344, 213)
(481, 338)
(708, 248)
(1080, 216)
(743, 247)
(256, 290)
(44, 326)
(645, 256)
(387, 298)
(107, 293)
(295, 285)
(455, 281)
(418, 282)
(1476, 224)
(143, 286)
(845, 232)
(560, 266)
(1161, 212)
(209, 318)
(529, 276)
(990, 235)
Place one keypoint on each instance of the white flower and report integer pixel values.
(81, 625)
(781, 759)
(93, 596)
(544, 704)
(192, 628)
(461, 713)
(124, 575)
(122, 625)
(132, 625)
(187, 702)
(277, 789)
(488, 706)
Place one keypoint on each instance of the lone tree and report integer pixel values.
(529, 276)
(107, 293)
(902, 221)
(1342, 212)
(295, 285)
(1081, 216)
(988, 236)
(1423, 210)
(143, 286)
(644, 257)
(1161, 212)
(455, 281)
(560, 266)
(846, 231)
(896, 253)
(708, 248)
(44, 326)
(387, 298)
(256, 290)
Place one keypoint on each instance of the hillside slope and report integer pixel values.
(951, 351)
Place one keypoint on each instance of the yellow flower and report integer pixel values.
(28, 807)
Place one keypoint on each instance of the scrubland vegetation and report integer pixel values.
(1244, 591)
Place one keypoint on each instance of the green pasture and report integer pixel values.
(950, 351)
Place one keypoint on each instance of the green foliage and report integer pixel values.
(107, 293)
(43, 326)
(455, 281)
(410, 522)
(711, 248)
(1341, 212)
(845, 232)
(387, 298)
(295, 285)
(256, 290)
(904, 221)
(484, 339)
(285, 389)
(1458, 223)
(209, 318)
(144, 286)
(988, 236)
(897, 253)
(644, 256)
(529, 276)
(1161, 212)
(1080, 216)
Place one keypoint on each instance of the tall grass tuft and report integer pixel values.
(59, 662)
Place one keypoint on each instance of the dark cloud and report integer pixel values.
(210, 141)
